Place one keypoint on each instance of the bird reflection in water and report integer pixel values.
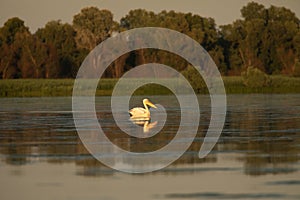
(146, 124)
(141, 116)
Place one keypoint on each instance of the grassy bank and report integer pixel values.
(278, 85)
(63, 87)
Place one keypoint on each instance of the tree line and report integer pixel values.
(264, 38)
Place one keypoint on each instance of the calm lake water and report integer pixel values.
(257, 156)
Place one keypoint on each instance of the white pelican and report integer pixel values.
(139, 113)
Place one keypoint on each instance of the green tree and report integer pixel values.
(11, 27)
(195, 79)
(10, 53)
(203, 30)
(135, 19)
(139, 18)
(37, 60)
(282, 29)
(62, 38)
(8, 62)
(232, 37)
(265, 38)
(23, 55)
(252, 11)
(93, 26)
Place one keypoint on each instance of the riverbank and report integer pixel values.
(64, 87)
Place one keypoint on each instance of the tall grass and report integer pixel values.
(36, 87)
(64, 87)
(278, 84)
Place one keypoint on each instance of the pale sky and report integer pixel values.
(36, 13)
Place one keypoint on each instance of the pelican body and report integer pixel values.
(140, 113)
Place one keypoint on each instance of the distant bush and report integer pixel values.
(255, 78)
(296, 72)
(195, 79)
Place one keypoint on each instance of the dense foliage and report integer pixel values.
(266, 38)
(255, 78)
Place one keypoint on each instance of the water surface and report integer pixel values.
(257, 156)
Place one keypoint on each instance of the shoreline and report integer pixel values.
(64, 87)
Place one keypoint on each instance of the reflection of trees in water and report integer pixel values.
(27, 146)
(265, 139)
(266, 136)
(30, 137)
(273, 156)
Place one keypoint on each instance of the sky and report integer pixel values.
(36, 13)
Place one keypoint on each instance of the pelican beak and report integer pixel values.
(151, 104)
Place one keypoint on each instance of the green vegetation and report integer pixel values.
(195, 79)
(267, 38)
(36, 87)
(278, 84)
(43, 63)
(255, 78)
(297, 69)
(64, 87)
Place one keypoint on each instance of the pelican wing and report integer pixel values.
(138, 112)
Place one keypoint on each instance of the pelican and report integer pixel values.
(139, 113)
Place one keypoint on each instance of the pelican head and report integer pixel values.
(149, 103)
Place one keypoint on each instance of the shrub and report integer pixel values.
(296, 72)
(255, 78)
(195, 79)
